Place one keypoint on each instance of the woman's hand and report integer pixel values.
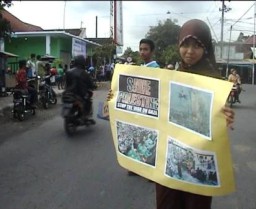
(110, 95)
(229, 115)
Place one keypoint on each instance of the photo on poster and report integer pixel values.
(190, 108)
(194, 166)
(138, 95)
(137, 142)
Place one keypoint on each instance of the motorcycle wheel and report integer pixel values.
(54, 100)
(45, 104)
(15, 114)
(21, 116)
(231, 100)
(69, 127)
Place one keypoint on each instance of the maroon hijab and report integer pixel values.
(200, 31)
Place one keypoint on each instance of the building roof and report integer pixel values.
(72, 31)
(7, 54)
(250, 40)
(17, 25)
(20, 29)
(52, 33)
(102, 40)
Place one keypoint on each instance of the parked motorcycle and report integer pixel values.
(46, 93)
(21, 104)
(72, 114)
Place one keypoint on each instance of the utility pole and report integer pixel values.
(64, 15)
(253, 54)
(223, 9)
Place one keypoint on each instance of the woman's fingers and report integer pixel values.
(110, 95)
(230, 116)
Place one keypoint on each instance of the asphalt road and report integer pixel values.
(243, 149)
(40, 167)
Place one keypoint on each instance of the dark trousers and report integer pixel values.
(86, 106)
(33, 94)
(167, 198)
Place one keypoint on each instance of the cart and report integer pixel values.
(7, 79)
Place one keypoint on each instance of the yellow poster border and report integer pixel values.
(219, 144)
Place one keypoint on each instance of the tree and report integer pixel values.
(104, 54)
(165, 36)
(134, 55)
(170, 55)
(5, 25)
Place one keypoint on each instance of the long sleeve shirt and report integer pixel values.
(21, 78)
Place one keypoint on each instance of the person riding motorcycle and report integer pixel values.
(79, 82)
(47, 79)
(235, 78)
(22, 83)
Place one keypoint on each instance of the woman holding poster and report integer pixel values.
(197, 57)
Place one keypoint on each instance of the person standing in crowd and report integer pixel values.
(197, 57)
(39, 66)
(108, 72)
(235, 78)
(59, 79)
(65, 69)
(31, 66)
(146, 50)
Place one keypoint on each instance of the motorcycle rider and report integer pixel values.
(235, 78)
(79, 82)
(22, 82)
(47, 79)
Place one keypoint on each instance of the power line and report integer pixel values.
(243, 14)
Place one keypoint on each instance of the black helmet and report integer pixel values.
(80, 61)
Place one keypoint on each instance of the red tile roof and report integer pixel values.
(17, 25)
(250, 40)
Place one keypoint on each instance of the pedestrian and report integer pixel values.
(146, 50)
(59, 77)
(65, 69)
(108, 72)
(39, 68)
(31, 66)
(197, 57)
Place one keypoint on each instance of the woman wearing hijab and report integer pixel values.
(197, 56)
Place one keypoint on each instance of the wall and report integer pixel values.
(23, 47)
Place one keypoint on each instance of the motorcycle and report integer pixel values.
(232, 98)
(46, 93)
(21, 104)
(72, 113)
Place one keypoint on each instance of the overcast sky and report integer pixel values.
(138, 16)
